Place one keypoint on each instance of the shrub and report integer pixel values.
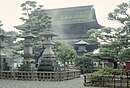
(108, 71)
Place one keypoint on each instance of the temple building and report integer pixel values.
(73, 22)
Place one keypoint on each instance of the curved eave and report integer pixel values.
(27, 36)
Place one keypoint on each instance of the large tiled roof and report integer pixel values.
(73, 22)
(72, 15)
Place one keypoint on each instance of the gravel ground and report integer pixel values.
(74, 83)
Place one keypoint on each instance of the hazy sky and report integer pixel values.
(10, 10)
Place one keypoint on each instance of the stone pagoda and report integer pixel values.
(3, 64)
(48, 61)
(28, 61)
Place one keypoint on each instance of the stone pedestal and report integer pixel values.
(48, 64)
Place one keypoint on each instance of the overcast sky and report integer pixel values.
(10, 10)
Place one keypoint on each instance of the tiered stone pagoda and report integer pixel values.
(28, 61)
(48, 61)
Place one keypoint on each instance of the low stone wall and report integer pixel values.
(39, 75)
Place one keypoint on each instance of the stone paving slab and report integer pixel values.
(74, 83)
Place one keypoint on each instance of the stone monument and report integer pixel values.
(48, 61)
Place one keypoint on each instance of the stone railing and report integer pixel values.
(39, 75)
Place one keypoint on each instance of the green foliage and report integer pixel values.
(108, 71)
(112, 42)
(34, 17)
(93, 34)
(109, 46)
(84, 62)
(120, 14)
(103, 75)
(124, 55)
(65, 53)
(9, 42)
(111, 49)
(104, 35)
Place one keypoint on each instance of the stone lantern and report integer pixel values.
(81, 46)
(28, 61)
(47, 61)
(3, 64)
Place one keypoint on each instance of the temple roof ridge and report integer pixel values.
(70, 7)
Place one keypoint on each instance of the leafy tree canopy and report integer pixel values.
(121, 14)
(66, 52)
(34, 17)
(124, 55)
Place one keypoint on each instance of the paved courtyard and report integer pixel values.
(75, 83)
